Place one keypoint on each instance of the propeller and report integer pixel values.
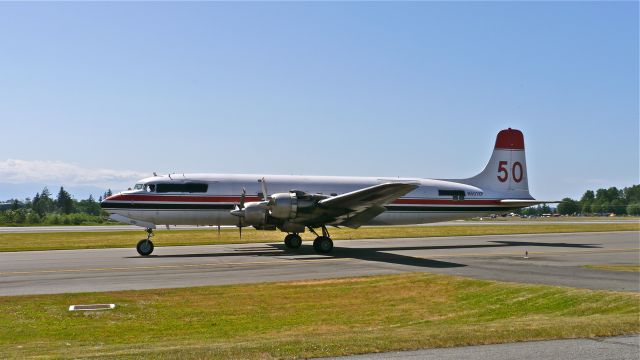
(238, 211)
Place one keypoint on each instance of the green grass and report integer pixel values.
(309, 318)
(87, 240)
(631, 268)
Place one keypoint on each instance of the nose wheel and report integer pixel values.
(292, 241)
(145, 246)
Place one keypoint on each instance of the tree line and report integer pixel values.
(46, 209)
(601, 202)
(604, 201)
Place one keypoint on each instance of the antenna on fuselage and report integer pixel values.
(154, 174)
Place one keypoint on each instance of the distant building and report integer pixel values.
(5, 205)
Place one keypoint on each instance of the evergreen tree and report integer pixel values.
(107, 194)
(46, 201)
(36, 205)
(64, 201)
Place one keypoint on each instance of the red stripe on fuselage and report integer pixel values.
(236, 199)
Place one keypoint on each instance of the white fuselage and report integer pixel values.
(432, 201)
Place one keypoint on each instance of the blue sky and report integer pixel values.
(93, 95)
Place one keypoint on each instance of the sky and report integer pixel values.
(97, 95)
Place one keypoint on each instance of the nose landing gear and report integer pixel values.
(145, 246)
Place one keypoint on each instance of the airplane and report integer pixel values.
(297, 203)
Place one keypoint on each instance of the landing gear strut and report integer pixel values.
(323, 244)
(292, 241)
(145, 246)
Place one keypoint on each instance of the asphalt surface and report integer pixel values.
(555, 259)
(107, 228)
(612, 348)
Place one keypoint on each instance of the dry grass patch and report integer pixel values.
(96, 240)
(630, 268)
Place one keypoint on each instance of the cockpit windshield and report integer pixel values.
(145, 187)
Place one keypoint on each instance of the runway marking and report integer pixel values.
(306, 259)
(276, 261)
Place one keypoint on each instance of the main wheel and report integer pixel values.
(292, 241)
(323, 244)
(145, 247)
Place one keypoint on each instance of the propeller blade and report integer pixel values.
(265, 195)
(244, 192)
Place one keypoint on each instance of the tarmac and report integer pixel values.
(555, 259)
(611, 348)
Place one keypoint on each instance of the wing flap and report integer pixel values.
(361, 218)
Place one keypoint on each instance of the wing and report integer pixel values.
(357, 207)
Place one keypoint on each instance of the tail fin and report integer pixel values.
(506, 173)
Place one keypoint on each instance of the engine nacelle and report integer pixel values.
(284, 206)
(255, 215)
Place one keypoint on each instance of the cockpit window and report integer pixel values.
(138, 187)
(151, 188)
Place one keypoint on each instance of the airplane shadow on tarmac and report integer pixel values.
(379, 254)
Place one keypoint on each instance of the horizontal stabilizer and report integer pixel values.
(524, 202)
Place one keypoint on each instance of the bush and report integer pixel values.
(53, 219)
(19, 216)
(633, 209)
(33, 218)
(72, 219)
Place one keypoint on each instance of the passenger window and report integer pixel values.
(184, 188)
(456, 194)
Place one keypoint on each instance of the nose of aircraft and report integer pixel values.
(107, 201)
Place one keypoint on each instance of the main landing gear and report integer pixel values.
(292, 241)
(322, 244)
(145, 246)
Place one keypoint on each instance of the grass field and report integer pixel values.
(631, 268)
(310, 318)
(87, 240)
